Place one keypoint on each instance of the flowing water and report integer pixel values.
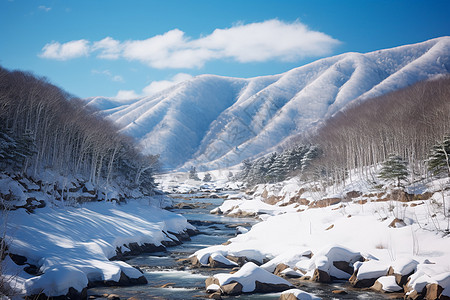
(167, 279)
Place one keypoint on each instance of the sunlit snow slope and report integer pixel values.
(212, 121)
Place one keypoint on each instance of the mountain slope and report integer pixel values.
(212, 121)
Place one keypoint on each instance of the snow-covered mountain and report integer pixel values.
(211, 121)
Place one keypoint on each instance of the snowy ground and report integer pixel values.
(72, 245)
(411, 237)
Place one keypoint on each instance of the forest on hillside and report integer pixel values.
(44, 128)
(411, 123)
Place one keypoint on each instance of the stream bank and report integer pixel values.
(168, 278)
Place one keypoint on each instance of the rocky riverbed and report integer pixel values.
(171, 274)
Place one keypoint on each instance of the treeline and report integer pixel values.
(42, 127)
(407, 123)
(412, 123)
(277, 167)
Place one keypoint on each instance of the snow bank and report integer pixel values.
(72, 246)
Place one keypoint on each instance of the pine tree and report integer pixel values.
(308, 157)
(207, 177)
(7, 147)
(278, 168)
(193, 174)
(394, 167)
(439, 159)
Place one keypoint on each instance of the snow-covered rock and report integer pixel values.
(254, 279)
(217, 260)
(368, 272)
(293, 294)
(386, 284)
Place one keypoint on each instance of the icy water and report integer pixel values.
(167, 279)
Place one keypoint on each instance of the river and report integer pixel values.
(168, 279)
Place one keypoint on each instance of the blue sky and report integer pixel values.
(132, 48)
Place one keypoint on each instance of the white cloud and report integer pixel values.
(126, 95)
(255, 42)
(44, 8)
(69, 50)
(268, 40)
(153, 88)
(109, 48)
(157, 86)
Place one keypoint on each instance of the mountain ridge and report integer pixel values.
(213, 121)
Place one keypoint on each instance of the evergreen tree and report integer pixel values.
(439, 159)
(277, 167)
(193, 173)
(394, 167)
(7, 147)
(207, 177)
(311, 153)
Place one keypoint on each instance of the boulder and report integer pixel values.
(272, 200)
(400, 195)
(217, 260)
(253, 279)
(352, 194)
(321, 276)
(240, 260)
(211, 281)
(344, 266)
(291, 273)
(325, 202)
(212, 288)
(386, 284)
(287, 296)
(296, 294)
(266, 287)
(232, 289)
(361, 283)
(279, 268)
(433, 291)
(216, 295)
(368, 273)
(297, 199)
(402, 269)
(424, 196)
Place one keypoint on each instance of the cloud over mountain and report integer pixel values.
(254, 42)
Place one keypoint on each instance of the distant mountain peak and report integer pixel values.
(212, 121)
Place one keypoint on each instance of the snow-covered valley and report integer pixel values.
(290, 237)
(358, 208)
